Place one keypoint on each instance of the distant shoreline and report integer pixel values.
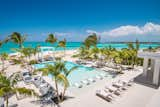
(113, 42)
(133, 42)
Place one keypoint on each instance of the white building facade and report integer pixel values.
(154, 65)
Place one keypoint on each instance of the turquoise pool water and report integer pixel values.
(81, 73)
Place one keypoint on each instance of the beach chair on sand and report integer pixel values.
(104, 95)
(91, 80)
(126, 83)
(85, 82)
(77, 85)
(114, 90)
(119, 85)
(98, 77)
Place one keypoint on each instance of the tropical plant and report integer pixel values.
(137, 44)
(54, 70)
(62, 44)
(82, 52)
(66, 73)
(51, 39)
(91, 40)
(130, 46)
(94, 52)
(1, 43)
(7, 88)
(35, 51)
(17, 38)
(3, 56)
(59, 73)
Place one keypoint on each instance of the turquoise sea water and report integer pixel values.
(70, 45)
(81, 73)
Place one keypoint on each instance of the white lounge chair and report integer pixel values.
(119, 85)
(115, 90)
(91, 80)
(127, 83)
(103, 75)
(104, 95)
(85, 82)
(99, 77)
(77, 85)
(111, 88)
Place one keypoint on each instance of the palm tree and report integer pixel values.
(25, 53)
(91, 40)
(137, 48)
(83, 53)
(66, 73)
(55, 70)
(35, 51)
(51, 39)
(17, 38)
(3, 56)
(24, 59)
(125, 55)
(7, 87)
(1, 43)
(137, 44)
(62, 44)
(130, 46)
(94, 53)
(60, 74)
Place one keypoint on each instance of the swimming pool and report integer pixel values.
(81, 73)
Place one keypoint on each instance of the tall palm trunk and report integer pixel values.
(64, 51)
(127, 61)
(132, 61)
(7, 101)
(57, 89)
(20, 45)
(63, 93)
(2, 65)
(54, 52)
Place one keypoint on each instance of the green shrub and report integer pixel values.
(33, 62)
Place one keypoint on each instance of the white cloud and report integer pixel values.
(61, 34)
(91, 31)
(56, 33)
(148, 28)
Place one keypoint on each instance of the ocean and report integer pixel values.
(8, 47)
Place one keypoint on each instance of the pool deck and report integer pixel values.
(135, 96)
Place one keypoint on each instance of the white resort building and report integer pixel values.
(151, 67)
(45, 51)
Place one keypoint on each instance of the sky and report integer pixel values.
(112, 20)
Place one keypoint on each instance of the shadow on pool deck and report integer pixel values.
(146, 81)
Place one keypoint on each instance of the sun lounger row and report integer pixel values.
(115, 89)
(89, 80)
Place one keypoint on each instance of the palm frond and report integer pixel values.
(62, 79)
(26, 92)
